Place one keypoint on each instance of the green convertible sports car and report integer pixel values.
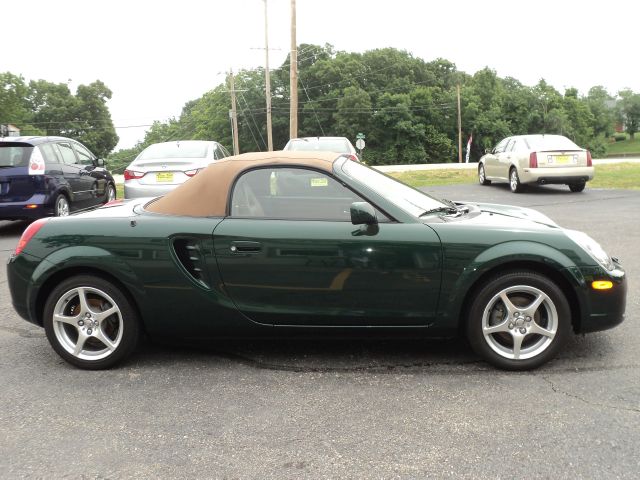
(291, 243)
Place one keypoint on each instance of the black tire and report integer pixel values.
(514, 181)
(577, 187)
(61, 207)
(86, 336)
(541, 331)
(110, 193)
(482, 178)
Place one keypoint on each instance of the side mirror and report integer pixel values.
(100, 162)
(363, 213)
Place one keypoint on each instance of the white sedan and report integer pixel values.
(538, 159)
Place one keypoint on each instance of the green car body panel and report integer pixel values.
(198, 277)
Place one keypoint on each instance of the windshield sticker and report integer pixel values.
(319, 182)
(36, 162)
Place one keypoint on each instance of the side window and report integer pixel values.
(66, 151)
(225, 152)
(512, 146)
(49, 153)
(217, 153)
(509, 145)
(85, 157)
(500, 147)
(291, 193)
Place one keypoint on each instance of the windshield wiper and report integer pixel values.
(449, 210)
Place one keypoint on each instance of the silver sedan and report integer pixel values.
(539, 159)
(161, 167)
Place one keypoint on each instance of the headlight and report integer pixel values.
(592, 247)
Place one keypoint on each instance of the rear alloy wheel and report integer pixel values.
(514, 181)
(519, 321)
(482, 178)
(90, 323)
(61, 206)
(577, 187)
(110, 194)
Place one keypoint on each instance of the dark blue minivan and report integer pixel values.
(50, 176)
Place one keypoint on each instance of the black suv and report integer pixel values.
(45, 176)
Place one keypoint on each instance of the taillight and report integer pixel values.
(28, 234)
(533, 160)
(353, 157)
(589, 161)
(113, 202)
(191, 173)
(132, 175)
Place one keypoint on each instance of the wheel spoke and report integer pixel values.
(531, 309)
(511, 308)
(537, 329)
(82, 338)
(82, 298)
(100, 335)
(65, 319)
(517, 345)
(100, 316)
(501, 327)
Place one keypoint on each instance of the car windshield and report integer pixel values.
(408, 198)
(550, 142)
(14, 155)
(337, 145)
(175, 150)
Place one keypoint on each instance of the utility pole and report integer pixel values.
(234, 115)
(267, 80)
(459, 127)
(293, 76)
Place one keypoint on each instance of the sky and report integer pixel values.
(156, 55)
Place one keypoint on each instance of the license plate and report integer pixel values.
(164, 177)
(563, 159)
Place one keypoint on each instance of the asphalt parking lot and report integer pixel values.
(336, 409)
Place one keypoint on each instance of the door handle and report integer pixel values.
(245, 247)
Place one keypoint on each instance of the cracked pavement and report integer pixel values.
(336, 408)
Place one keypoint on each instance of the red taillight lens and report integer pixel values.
(589, 161)
(132, 175)
(353, 157)
(191, 173)
(29, 233)
(113, 202)
(533, 160)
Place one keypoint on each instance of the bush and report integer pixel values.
(620, 137)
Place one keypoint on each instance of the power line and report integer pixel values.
(314, 111)
(254, 122)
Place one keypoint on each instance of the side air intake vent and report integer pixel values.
(191, 257)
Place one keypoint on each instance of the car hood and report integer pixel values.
(513, 211)
(494, 216)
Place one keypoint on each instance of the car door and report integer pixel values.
(92, 173)
(491, 160)
(501, 158)
(289, 255)
(76, 177)
(507, 157)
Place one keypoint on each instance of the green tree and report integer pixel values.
(629, 111)
(13, 92)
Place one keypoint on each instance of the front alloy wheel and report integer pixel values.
(519, 321)
(482, 177)
(90, 323)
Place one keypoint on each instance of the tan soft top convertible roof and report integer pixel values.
(207, 194)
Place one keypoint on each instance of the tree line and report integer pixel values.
(407, 107)
(40, 107)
